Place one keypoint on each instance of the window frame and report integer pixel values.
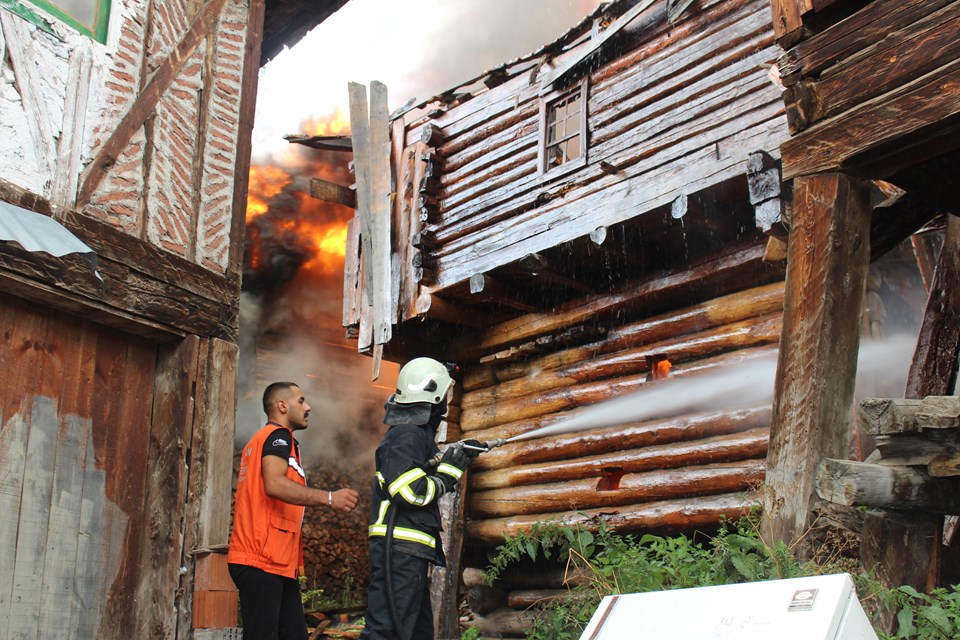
(33, 10)
(546, 102)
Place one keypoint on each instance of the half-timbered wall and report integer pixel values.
(150, 140)
(116, 437)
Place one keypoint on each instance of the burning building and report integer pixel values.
(604, 218)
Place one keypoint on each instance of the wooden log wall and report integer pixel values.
(494, 207)
(669, 474)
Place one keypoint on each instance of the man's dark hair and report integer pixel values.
(272, 391)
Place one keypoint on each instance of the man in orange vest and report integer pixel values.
(265, 557)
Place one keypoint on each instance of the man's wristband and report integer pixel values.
(329, 498)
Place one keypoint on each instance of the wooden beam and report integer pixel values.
(860, 484)
(248, 106)
(332, 192)
(892, 133)
(145, 103)
(668, 516)
(829, 252)
(934, 367)
(487, 289)
(788, 20)
(551, 78)
(714, 272)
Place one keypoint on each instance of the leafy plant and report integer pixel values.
(607, 563)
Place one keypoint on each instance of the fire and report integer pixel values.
(265, 183)
(334, 124)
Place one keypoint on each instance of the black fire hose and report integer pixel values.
(388, 566)
(388, 539)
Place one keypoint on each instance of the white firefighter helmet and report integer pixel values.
(422, 380)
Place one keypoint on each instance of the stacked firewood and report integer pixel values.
(335, 543)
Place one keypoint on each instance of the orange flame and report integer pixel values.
(334, 124)
(265, 183)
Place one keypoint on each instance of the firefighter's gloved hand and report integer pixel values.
(456, 456)
(451, 467)
(473, 448)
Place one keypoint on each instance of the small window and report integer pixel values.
(89, 17)
(563, 130)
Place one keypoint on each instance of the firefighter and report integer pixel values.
(404, 528)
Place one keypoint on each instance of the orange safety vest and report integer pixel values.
(266, 531)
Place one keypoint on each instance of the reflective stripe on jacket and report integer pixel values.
(266, 531)
(402, 483)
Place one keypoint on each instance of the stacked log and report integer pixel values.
(668, 474)
(909, 483)
(335, 543)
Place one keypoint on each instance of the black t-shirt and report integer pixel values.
(279, 443)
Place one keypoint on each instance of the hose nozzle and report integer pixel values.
(481, 447)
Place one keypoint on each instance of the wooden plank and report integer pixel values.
(612, 374)
(788, 19)
(101, 524)
(905, 54)
(106, 156)
(902, 548)
(18, 361)
(859, 32)
(126, 298)
(565, 217)
(172, 423)
(332, 192)
(248, 107)
(64, 189)
(743, 445)
(360, 132)
(352, 274)
(629, 489)
(734, 307)
(75, 341)
(126, 456)
(595, 44)
(935, 361)
(884, 416)
(40, 413)
(379, 176)
(865, 136)
(829, 252)
(209, 519)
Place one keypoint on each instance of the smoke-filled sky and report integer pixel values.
(418, 48)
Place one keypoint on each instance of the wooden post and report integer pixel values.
(829, 253)
(934, 368)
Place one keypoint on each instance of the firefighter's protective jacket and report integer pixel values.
(406, 481)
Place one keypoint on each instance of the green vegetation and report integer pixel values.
(612, 564)
(316, 599)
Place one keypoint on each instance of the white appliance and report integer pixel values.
(811, 608)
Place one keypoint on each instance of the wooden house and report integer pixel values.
(124, 150)
(871, 95)
(605, 215)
